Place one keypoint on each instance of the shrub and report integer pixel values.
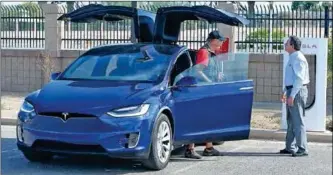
(262, 35)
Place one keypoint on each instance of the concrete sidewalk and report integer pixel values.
(11, 103)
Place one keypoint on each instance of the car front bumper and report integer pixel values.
(96, 136)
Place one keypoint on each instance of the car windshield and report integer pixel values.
(146, 63)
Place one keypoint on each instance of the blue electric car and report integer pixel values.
(136, 100)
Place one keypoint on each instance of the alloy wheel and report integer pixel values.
(163, 141)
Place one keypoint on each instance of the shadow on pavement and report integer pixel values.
(13, 162)
(255, 154)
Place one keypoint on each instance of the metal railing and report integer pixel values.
(22, 26)
(269, 25)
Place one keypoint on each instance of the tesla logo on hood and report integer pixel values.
(65, 114)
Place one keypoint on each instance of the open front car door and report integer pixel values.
(214, 111)
(208, 111)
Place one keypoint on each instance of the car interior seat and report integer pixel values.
(180, 66)
(123, 67)
(193, 54)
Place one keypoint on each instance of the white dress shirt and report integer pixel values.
(297, 72)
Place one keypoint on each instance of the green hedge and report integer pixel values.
(262, 35)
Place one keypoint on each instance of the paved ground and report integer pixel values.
(242, 157)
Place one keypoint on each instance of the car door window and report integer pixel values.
(183, 63)
(223, 68)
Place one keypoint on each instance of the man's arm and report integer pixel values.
(204, 76)
(299, 67)
(284, 91)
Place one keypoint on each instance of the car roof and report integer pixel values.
(118, 48)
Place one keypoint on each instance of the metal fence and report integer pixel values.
(23, 26)
(270, 24)
(87, 35)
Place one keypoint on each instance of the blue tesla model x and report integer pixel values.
(136, 100)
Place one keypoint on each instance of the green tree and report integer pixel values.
(306, 5)
(262, 35)
(327, 4)
(118, 3)
(32, 9)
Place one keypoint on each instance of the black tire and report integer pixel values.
(153, 162)
(34, 156)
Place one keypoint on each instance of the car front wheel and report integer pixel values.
(160, 151)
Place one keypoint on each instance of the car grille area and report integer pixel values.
(47, 145)
(66, 116)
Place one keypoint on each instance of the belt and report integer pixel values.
(290, 87)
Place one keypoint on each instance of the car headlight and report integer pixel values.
(27, 107)
(131, 111)
(27, 112)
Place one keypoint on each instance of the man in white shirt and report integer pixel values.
(295, 95)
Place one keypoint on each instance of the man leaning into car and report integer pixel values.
(208, 72)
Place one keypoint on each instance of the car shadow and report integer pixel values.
(254, 154)
(183, 159)
(13, 162)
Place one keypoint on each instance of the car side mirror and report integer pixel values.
(55, 75)
(186, 81)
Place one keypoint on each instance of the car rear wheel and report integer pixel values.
(160, 151)
(34, 156)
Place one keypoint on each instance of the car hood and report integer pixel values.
(90, 96)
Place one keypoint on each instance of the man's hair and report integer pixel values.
(296, 42)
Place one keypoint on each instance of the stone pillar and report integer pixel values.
(52, 29)
(133, 37)
(49, 60)
(226, 30)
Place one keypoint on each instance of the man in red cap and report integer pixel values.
(208, 70)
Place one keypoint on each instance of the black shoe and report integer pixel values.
(192, 154)
(211, 152)
(285, 151)
(299, 154)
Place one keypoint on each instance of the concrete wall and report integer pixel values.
(21, 72)
(267, 72)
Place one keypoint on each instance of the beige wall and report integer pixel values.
(266, 71)
(21, 72)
